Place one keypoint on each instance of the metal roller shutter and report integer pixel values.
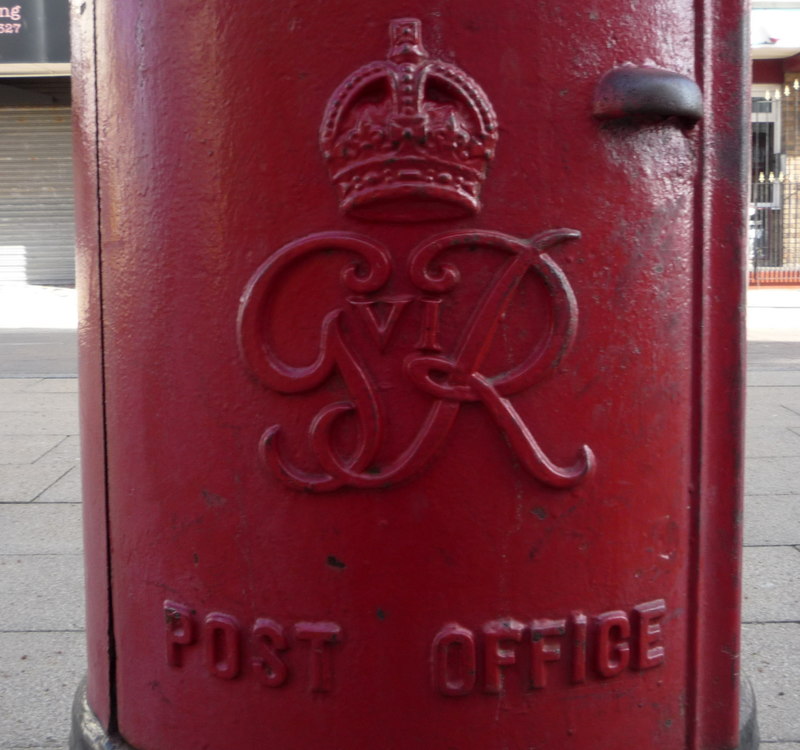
(37, 227)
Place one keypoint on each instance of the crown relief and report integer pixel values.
(408, 138)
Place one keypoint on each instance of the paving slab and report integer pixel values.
(23, 483)
(771, 441)
(25, 449)
(66, 490)
(41, 529)
(787, 395)
(16, 385)
(41, 423)
(43, 401)
(68, 451)
(41, 592)
(768, 378)
(772, 519)
(771, 659)
(773, 414)
(771, 591)
(39, 673)
(64, 385)
(772, 476)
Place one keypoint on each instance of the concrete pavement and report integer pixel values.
(41, 609)
(771, 592)
(42, 654)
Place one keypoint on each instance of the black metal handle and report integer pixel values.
(647, 95)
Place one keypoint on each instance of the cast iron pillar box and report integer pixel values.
(411, 373)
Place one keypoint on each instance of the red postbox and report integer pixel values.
(411, 374)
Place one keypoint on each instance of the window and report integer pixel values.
(767, 161)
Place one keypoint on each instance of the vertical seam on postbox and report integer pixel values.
(696, 424)
(112, 651)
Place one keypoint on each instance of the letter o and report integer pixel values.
(453, 659)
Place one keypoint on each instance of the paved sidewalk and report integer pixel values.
(771, 595)
(41, 600)
(42, 653)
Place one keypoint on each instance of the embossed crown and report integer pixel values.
(408, 138)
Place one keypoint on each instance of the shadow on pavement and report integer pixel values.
(773, 355)
(38, 352)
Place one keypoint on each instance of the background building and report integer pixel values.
(774, 229)
(36, 200)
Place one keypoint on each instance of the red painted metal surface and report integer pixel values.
(422, 383)
(90, 342)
